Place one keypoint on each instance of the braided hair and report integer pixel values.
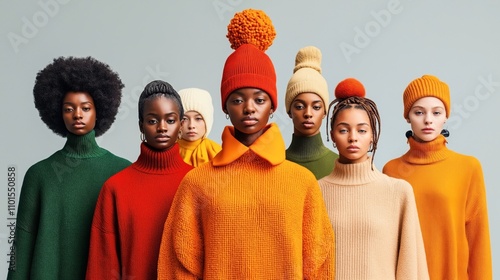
(350, 93)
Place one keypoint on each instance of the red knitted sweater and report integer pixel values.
(131, 210)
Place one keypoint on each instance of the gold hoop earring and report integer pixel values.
(143, 137)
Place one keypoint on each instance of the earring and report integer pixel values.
(227, 116)
(143, 137)
(334, 145)
(445, 132)
(409, 134)
(271, 116)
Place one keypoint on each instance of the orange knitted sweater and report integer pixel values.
(451, 202)
(248, 214)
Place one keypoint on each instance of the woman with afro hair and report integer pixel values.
(77, 98)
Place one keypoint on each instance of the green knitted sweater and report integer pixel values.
(311, 153)
(56, 207)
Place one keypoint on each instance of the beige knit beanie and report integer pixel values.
(199, 100)
(307, 77)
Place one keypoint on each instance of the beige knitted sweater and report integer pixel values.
(376, 225)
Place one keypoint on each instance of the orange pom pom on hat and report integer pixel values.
(426, 86)
(250, 33)
(348, 88)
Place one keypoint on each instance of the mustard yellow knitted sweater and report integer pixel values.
(248, 214)
(451, 201)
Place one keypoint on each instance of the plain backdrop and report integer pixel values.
(383, 43)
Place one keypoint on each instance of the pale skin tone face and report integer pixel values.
(161, 123)
(249, 110)
(193, 126)
(78, 112)
(427, 117)
(307, 112)
(352, 134)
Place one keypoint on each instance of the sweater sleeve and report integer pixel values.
(181, 249)
(318, 237)
(103, 261)
(477, 227)
(26, 225)
(412, 263)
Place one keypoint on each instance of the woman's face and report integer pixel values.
(352, 134)
(78, 112)
(427, 117)
(161, 123)
(249, 110)
(193, 126)
(307, 112)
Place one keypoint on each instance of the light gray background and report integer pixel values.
(383, 43)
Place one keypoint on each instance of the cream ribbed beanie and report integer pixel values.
(199, 100)
(307, 77)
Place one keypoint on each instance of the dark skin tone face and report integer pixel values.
(307, 112)
(78, 112)
(249, 110)
(161, 123)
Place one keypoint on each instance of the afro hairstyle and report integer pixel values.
(155, 89)
(71, 74)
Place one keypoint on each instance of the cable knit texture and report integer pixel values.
(249, 214)
(451, 201)
(311, 153)
(56, 205)
(376, 224)
(198, 152)
(130, 213)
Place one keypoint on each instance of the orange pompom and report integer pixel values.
(251, 27)
(348, 88)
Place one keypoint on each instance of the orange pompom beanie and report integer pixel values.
(426, 86)
(250, 33)
(348, 88)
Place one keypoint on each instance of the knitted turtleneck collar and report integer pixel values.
(82, 146)
(159, 162)
(269, 146)
(306, 148)
(190, 145)
(427, 152)
(354, 174)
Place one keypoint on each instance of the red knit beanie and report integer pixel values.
(250, 33)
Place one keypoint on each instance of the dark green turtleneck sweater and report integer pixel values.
(56, 207)
(311, 153)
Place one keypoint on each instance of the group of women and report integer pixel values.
(188, 208)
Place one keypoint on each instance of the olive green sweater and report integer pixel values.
(311, 153)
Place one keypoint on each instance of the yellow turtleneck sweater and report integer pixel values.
(376, 224)
(451, 201)
(198, 152)
(249, 214)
